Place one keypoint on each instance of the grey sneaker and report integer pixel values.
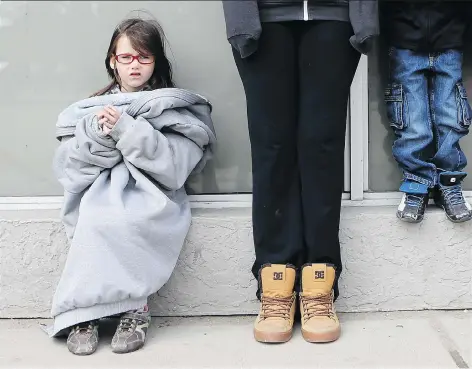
(451, 199)
(131, 332)
(412, 207)
(83, 338)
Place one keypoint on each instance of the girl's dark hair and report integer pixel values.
(147, 37)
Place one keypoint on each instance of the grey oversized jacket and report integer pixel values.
(243, 25)
(125, 211)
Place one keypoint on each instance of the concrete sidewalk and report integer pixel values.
(369, 340)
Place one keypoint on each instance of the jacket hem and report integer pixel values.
(338, 12)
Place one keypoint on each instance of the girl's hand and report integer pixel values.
(108, 118)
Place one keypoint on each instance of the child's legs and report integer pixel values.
(451, 112)
(409, 114)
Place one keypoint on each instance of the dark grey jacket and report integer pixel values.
(243, 24)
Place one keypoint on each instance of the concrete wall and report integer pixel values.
(388, 265)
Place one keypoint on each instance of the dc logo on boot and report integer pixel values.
(278, 276)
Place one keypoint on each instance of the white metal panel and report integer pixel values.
(359, 120)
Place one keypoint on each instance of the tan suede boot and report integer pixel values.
(319, 320)
(278, 300)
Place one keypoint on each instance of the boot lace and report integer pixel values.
(321, 305)
(276, 307)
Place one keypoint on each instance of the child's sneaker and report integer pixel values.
(131, 332)
(452, 200)
(412, 207)
(83, 338)
(449, 197)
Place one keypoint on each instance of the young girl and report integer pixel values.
(124, 157)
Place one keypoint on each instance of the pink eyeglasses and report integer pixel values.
(128, 59)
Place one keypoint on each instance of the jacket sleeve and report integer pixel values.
(81, 158)
(364, 17)
(168, 158)
(467, 14)
(243, 25)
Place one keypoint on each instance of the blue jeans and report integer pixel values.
(429, 112)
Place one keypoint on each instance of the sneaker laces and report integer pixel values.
(127, 325)
(320, 305)
(276, 307)
(414, 200)
(86, 327)
(453, 195)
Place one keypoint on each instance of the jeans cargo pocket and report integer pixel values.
(395, 106)
(464, 112)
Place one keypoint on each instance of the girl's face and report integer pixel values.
(134, 69)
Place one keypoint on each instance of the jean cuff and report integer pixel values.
(452, 173)
(450, 178)
(408, 177)
(414, 187)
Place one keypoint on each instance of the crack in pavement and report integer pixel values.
(449, 344)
